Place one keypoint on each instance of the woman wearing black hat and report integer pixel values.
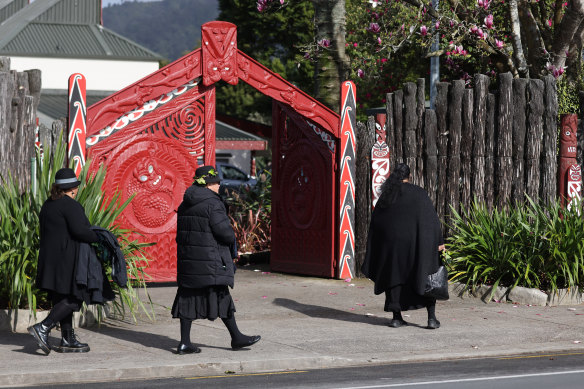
(205, 262)
(63, 225)
(403, 247)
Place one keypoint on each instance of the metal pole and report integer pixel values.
(434, 63)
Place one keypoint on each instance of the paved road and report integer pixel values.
(556, 370)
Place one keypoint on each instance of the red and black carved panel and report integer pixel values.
(77, 124)
(186, 125)
(219, 45)
(569, 180)
(303, 193)
(156, 171)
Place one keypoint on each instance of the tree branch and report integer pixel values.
(566, 31)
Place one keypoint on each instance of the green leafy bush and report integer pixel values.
(530, 245)
(19, 236)
(249, 211)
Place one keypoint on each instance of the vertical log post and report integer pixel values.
(519, 133)
(431, 153)
(549, 156)
(455, 125)
(398, 129)
(490, 131)
(478, 151)
(411, 121)
(365, 140)
(466, 147)
(504, 166)
(534, 137)
(442, 122)
(420, 108)
(390, 130)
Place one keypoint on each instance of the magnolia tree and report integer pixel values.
(529, 38)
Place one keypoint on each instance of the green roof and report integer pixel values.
(65, 28)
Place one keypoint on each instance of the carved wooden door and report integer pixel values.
(303, 195)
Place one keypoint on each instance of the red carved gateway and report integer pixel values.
(152, 135)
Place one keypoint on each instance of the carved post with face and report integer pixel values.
(379, 157)
(569, 177)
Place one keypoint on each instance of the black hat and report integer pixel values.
(206, 175)
(66, 179)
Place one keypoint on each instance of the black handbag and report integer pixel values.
(437, 284)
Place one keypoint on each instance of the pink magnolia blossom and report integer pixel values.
(484, 3)
(324, 43)
(355, 44)
(451, 23)
(437, 25)
(489, 21)
(360, 73)
(474, 29)
(549, 22)
(424, 30)
(499, 44)
(262, 4)
(374, 28)
(378, 40)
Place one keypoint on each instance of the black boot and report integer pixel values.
(70, 343)
(41, 333)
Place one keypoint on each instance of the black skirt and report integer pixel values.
(404, 298)
(203, 303)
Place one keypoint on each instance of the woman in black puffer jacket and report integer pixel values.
(205, 242)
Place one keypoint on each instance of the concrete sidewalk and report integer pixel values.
(304, 322)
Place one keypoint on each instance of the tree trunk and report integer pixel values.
(333, 62)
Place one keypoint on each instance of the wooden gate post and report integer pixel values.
(348, 123)
(569, 175)
(77, 125)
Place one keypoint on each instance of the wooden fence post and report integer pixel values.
(442, 122)
(518, 135)
(466, 144)
(504, 166)
(390, 130)
(411, 121)
(490, 131)
(549, 157)
(481, 82)
(398, 130)
(455, 133)
(420, 108)
(365, 140)
(534, 137)
(431, 153)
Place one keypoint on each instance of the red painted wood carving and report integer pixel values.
(219, 44)
(346, 263)
(379, 158)
(274, 86)
(569, 185)
(77, 127)
(174, 75)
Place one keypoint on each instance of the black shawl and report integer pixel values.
(403, 240)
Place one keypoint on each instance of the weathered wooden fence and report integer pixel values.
(476, 144)
(19, 99)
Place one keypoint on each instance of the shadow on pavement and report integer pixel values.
(330, 313)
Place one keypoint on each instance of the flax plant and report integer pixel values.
(19, 237)
(530, 244)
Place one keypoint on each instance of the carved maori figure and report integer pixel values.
(379, 158)
(568, 162)
(219, 53)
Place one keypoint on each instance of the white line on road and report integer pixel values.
(465, 380)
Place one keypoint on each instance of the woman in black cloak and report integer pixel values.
(403, 247)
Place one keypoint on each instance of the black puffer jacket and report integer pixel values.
(203, 238)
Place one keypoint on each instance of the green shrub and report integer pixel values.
(530, 245)
(249, 211)
(19, 236)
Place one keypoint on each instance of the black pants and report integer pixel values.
(62, 311)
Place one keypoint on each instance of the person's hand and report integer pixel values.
(441, 247)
